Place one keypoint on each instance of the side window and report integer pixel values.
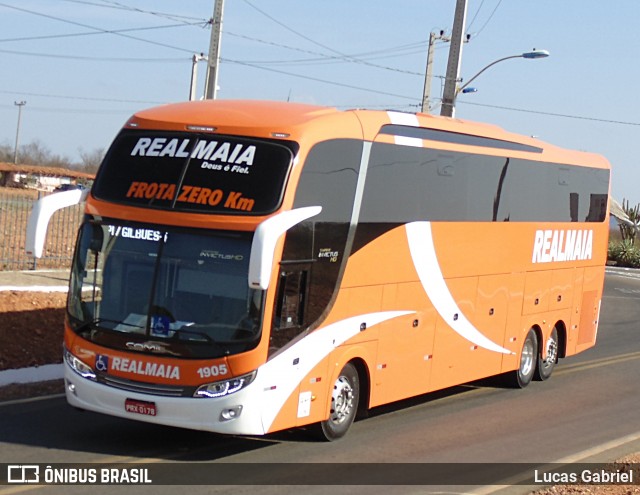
(406, 183)
(291, 302)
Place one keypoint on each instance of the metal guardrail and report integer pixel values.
(15, 207)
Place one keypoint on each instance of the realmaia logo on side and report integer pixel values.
(562, 245)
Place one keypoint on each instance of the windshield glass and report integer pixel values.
(181, 292)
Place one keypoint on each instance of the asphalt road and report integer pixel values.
(587, 411)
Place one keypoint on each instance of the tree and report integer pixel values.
(91, 160)
(628, 231)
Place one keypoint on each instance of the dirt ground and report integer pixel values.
(30, 328)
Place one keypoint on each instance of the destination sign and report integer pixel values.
(194, 172)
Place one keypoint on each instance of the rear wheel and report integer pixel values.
(521, 377)
(548, 363)
(344, 404)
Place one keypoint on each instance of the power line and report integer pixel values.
(83, 98)
(406, 49)
(99, 59)
(317, 79)
(553, 114)
(340, 54)
(475, 16)
(488, 20)
(90, 33)
(118, 5)
(105, 4)
(74, 110)
(101, 30)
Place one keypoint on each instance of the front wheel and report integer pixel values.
(545, 366)
(344, 404)
(521, 377)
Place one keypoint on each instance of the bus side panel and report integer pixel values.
(405, 346)
(562, 289)
(536, 292)
(456, 359)
(515, 330)
(493, 303)
(576, 305)
(590, 308)
(303, 405)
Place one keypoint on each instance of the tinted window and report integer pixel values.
(407, 184)
(316, 250)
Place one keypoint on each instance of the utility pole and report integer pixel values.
(426, 94)
(19, 104)
(455, 58)
(211, 83)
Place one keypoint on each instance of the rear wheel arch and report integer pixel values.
(561, 328)
(365, 386)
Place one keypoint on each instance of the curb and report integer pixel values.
(34, 288)
(32, 375)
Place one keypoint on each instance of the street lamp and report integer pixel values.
(194, 74)
(448, 110)
(19, 104)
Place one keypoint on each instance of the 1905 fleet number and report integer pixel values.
(212, 371)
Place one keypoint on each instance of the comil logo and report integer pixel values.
(23, 474)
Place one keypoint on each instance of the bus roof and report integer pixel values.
(283, 120)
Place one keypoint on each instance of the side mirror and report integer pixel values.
(41, 214)
(265, 240)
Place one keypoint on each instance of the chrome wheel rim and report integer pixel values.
(551, 352)
(527, 359)
(341, 401)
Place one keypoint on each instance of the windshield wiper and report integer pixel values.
(95, 324)
(202, 338)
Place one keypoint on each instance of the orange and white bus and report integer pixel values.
(245, 267)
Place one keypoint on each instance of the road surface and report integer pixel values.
(587, 411)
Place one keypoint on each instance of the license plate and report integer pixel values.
(140, 407)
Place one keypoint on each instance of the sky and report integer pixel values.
(84, 66)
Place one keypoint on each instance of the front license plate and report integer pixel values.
(140, 407)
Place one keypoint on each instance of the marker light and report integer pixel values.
(200, 128)
(225, 387)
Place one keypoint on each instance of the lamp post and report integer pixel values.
(449, 110)
(19, 104)
(194, 74)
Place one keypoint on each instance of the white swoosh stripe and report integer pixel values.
(407, 119)
(308, 352)
(426, 263)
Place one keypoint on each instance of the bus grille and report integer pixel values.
(146, 388)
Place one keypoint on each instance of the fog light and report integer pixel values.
(231, 413)
(71, 388)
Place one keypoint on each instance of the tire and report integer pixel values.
(344, 404)
(521, 377)
(545, 366)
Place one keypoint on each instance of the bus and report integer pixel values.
(246, 267)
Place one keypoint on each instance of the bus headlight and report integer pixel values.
(224, 387)
(78, 366)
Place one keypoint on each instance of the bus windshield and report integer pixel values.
(167, 291)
